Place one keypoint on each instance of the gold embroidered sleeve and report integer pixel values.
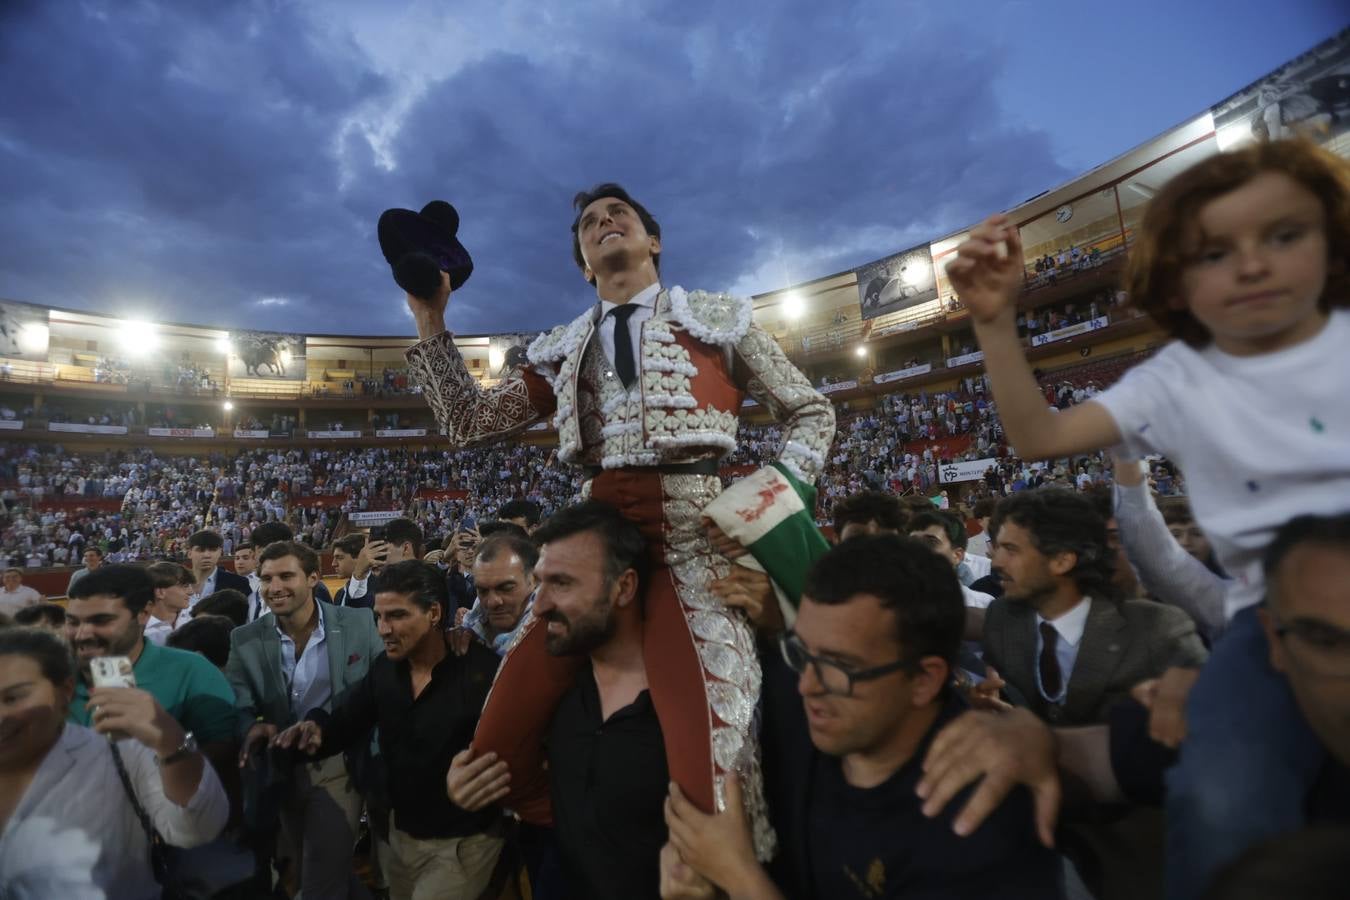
(466, 413)
(776, 384)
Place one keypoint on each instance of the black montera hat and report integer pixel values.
(420, 245)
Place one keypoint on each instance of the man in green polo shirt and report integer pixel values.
(105, 616)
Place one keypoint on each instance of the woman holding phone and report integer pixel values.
(68, 825)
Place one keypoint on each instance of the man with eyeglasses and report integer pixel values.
(851, 703)
(1306, 620)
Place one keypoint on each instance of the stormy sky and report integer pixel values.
(224, 162)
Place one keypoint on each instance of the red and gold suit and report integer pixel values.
(698, 357)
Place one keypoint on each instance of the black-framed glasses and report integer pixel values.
(1319, 647)
(834, 678)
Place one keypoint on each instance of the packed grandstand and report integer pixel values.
(136, 463)
(131, 435)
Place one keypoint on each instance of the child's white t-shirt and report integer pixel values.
(1260, 439)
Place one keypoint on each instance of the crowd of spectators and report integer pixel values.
(1075, 259)
(123, 414)
(898, 446)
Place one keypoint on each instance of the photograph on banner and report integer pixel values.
(506, 352)
(267, 354)
(944, 251)
(24, 333)
(897, 282)
(1307, 97)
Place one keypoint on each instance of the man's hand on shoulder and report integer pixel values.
(1000, 750)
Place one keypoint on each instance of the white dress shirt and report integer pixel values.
(1070, 627)
(74, 835)
(307, 679)
(208, 588)
(976, 599)
(973, 568)
(157, 630)
(645, 300)
(13, 601)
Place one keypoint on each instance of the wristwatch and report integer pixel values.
(185, 749)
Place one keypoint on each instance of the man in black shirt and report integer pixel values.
(850, 705)
(606, 757)
(425, 701)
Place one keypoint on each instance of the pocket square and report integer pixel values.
(355, 657)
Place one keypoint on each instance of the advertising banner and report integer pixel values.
(1059, 334)
(23, 332)
(1308, 96)
(77, 428)
(373, 517)
(400, 432)
(837, 386)
(11, 425)
(320, 435)
(182, 432)
(267, 354)
(972, 470)
(251, 433)
(965, 359)
(897, 282)
(901, 374)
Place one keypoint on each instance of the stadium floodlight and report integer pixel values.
(861, 351)
(138, 338)
(33, 337)
(223, 344)
(794, 305)
(228, 405)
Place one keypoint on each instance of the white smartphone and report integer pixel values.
(112, 671)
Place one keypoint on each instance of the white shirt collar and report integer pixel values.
(314, 638)
(1072, 624)
(645, 297)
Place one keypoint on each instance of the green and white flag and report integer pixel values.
(770, 514)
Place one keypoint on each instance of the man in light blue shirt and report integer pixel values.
(307, 655)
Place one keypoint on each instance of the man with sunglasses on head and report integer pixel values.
(852, 700)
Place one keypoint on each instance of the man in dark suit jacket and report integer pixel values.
(1070, 650)
(1064, 644)
(307, 655)
(204, 549)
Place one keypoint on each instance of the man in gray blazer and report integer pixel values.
(306, 655)
(1066, 646)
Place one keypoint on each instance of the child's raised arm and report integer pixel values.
(987, 275)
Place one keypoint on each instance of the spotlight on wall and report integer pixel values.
(138, 338)
(861, 351)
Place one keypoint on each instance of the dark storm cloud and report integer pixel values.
(752, 137)
(194, 162)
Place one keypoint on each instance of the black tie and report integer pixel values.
(623, 343)
(1051, 677)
